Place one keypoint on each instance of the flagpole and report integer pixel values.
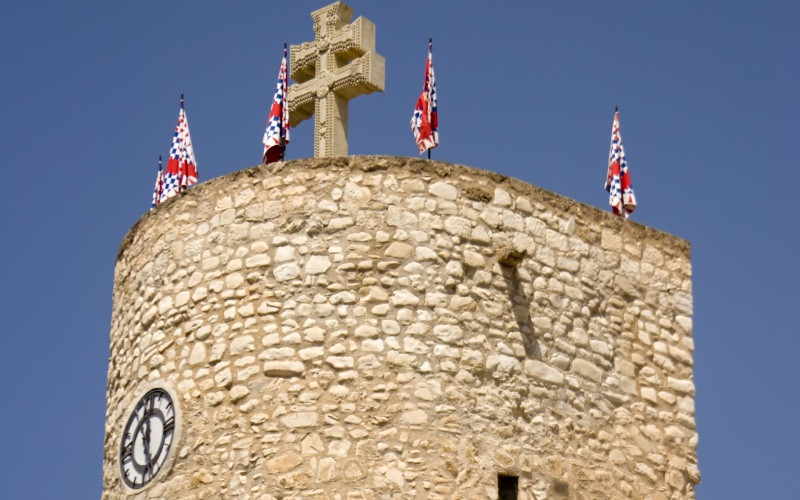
(160, 189)
(285, 103)
(430, 50)
(182, 178)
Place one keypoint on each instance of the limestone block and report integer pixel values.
(286, 272)
(458, 226)
(223, 378)
(339, 447)
(680, 355)
(198, 355)
(164, 305)
(366, 331)
(283, 368)
(327, 470)
(443, 190)
(311, 353)
(423, 254)
(473, 259)
(372, 345)
(587, 369)
(284, 254)
(396, 358)
(502, 198)
(257, 260)
(246, 310)
(355, 194)
(446, 351)
(182, 298)
(411, 344)
(499, 363)
(649, 394)
(542, 371)
(681, 386)
(199, 294)
(272, 209)
(217, 352)
(684, 323)
(283, 463)
(399, 250)
(239, 392)
(610, 240)
(414, 417)
(626, 286)
(340, 362)
(314, 334)
(396, 216)
(227, 217)
(600, 347)
(373, 294)
(244, 343)
(276, 353)
(448, 333)
(403, 298)
(317, 264)
(312, 445)
(480, 235)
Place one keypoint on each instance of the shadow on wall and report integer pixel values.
(520, 304)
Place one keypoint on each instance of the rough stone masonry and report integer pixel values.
(378, 327)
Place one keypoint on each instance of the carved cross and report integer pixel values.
(340, 64)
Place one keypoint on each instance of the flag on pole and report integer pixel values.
(181, 165)
(158, 191)
(425, 120)
(276, 137)
(618, 179)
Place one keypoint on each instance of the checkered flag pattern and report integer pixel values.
(277, 134)
(425, 120)
(158, 190)
(181, 165)
(618, 179)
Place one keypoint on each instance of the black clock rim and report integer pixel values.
(149, 394)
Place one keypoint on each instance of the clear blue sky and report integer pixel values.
(708, 94)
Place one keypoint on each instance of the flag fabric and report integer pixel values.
(618, 179)
(181, 166)
(158, 191)
(276, 135)
(425, 120)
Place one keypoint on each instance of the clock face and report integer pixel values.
(147, 438)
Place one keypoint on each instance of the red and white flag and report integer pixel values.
(276, 137)
(181, 165)
(618, 179)
(425, 120)
(158, 190)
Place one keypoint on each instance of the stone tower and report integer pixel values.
(381, 327)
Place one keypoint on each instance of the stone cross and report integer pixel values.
(340, 64)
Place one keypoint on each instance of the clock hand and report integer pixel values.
(146, 442)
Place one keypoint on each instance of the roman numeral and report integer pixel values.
(127, 451)
(169, 425)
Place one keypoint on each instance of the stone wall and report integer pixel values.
(379, 327)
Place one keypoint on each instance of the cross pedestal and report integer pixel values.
(340, 64)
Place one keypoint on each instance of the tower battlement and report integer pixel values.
(388, 327)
